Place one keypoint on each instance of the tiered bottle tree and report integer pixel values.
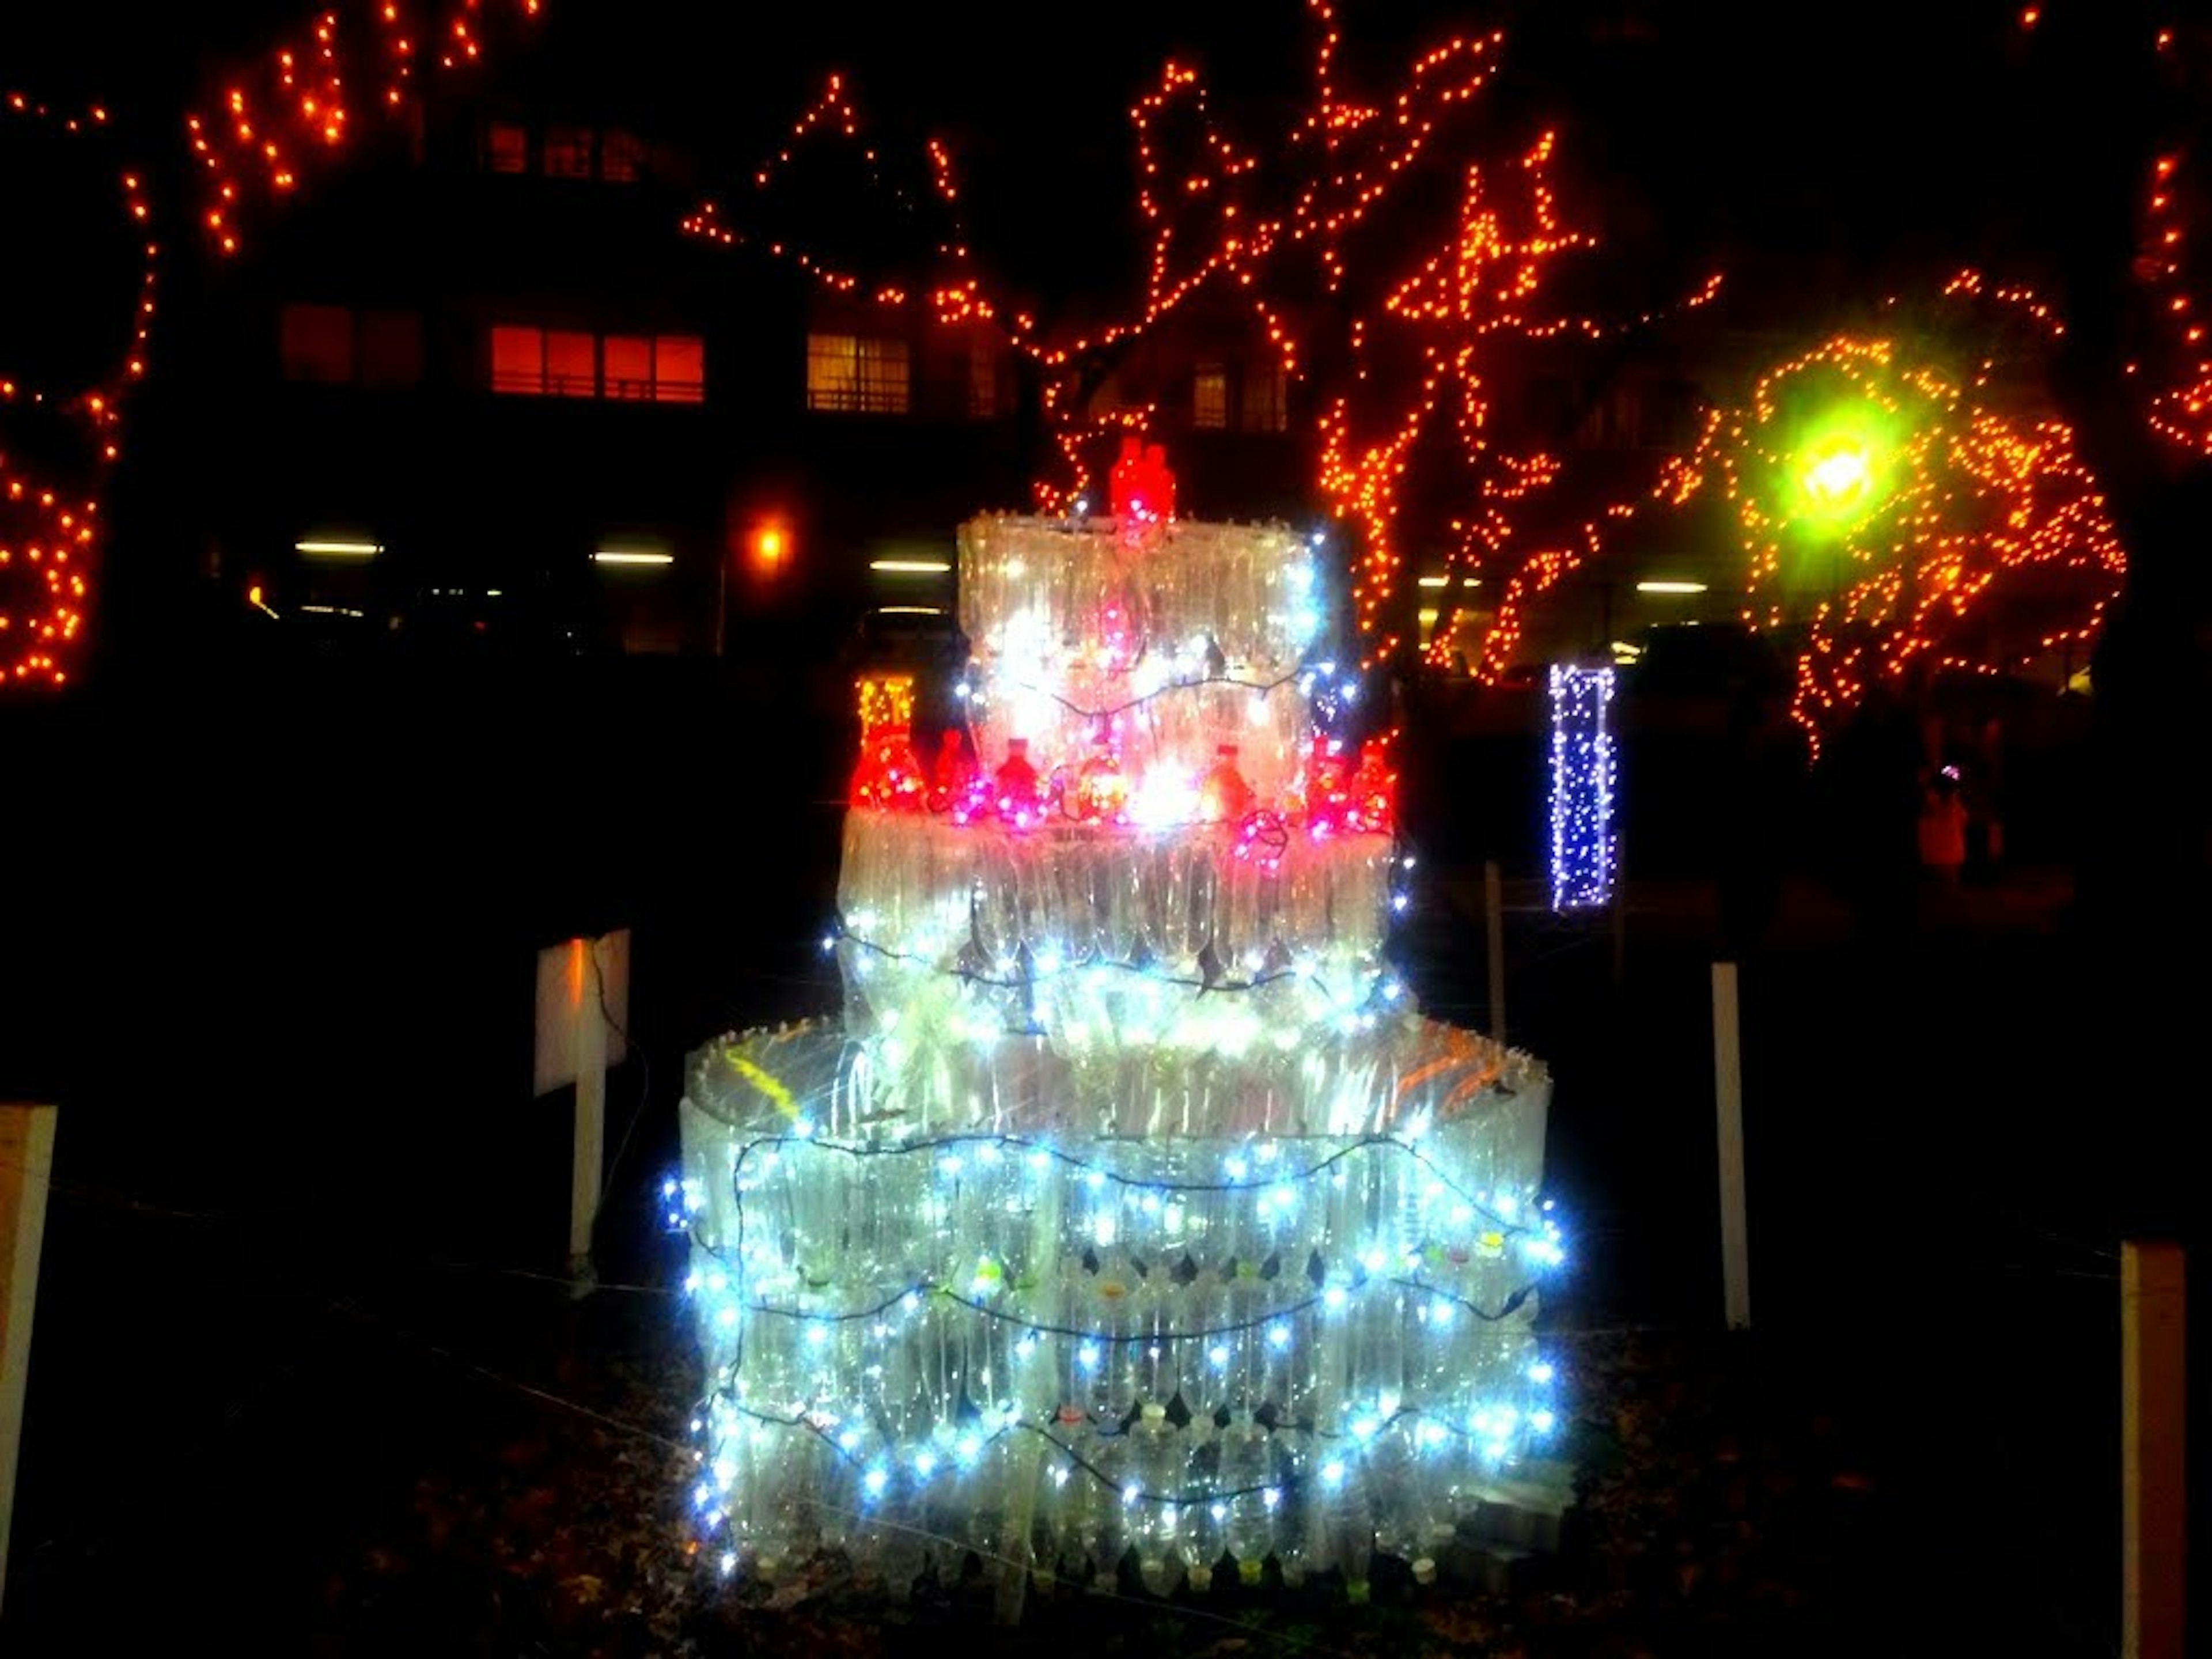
(1132, 1217)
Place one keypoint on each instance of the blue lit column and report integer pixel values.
(1582, 788)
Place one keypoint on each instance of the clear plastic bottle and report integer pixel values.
(1077, 1498)
(1341, 1523)
(1247, 1477)
(1157, 1466)
(1204, 1518)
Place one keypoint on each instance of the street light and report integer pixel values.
(1837, 475)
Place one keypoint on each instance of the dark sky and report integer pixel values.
(1849, 137)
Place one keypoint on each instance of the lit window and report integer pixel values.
(572, 363)
(507, 148)
(629, 362)
(389, 347)
(1266, 403)
(856, 373)
(621, 156)
(666, 369)
(1209, 398)
(679, 370)
(316, 343)
(518, 359)
(567, 152)
(983, 380)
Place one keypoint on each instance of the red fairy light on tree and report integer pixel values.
(1305, 234)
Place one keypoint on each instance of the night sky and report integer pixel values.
(1851, 140)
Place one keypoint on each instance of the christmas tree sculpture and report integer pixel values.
(1131, 1221)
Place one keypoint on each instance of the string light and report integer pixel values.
(1275, 228)
(299, 105)
(1582, 863)
(1954, 498)
(2181, 411)
(49, 525)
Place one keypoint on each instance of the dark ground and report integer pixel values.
(306, 1377)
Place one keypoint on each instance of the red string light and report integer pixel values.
(50, 533)
(1973, 496)
(1272, 226)
(297, 107)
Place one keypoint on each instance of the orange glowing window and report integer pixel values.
(316, 343)
(572, 363)
(556, 363)
(679, 368)
(567, 152)
(628, 364)
(1209, 398)
(856, 374)
(507, 148)
(1267, 401)
(518, 359)
(621, 156)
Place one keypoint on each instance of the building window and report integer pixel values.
(567, 152)
(317, 344)
(983, 380)
(556, 363)
(679, 368)
(507, 148)
(856, 373)
(518, 359)
(1266, 403)
(621, 156)
(1209, 398)
(388, 347)
(572, 363)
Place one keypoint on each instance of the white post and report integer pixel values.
(1493, 922)
(2154, 1450)
(1728, 1100)
(586, 1169)
(26, 1163)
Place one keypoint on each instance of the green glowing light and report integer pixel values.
(1838, 474)
(1838, 471)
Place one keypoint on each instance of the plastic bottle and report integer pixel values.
(1102, 789)
(1204, 1518)
(1247, 1475)
(1076, 1498)
(1224, 797)
(1157, 1465)
(1340, 1524)
(889, 775)
(1015, 795)
(952, 779)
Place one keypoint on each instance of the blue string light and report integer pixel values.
(1583, 783)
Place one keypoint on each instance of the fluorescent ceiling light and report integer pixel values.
(330, 610)
(1470, 581)
(1428, 616)
(631, 556)
(1436, 581)
(911, 567)
(1670, 587)
(910, 611)
(336, 548)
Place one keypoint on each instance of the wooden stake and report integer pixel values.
(1728, 1101)
(2154, 1450)
(26, 1164)
(588, 1160)
(1493, 923)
